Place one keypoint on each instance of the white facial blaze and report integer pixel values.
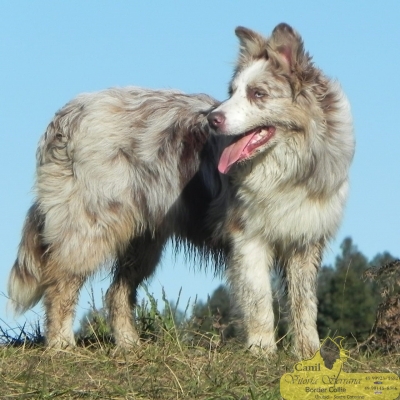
(238, 110)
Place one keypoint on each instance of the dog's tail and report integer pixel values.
(24, 282)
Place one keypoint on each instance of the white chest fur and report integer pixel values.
(286, 211)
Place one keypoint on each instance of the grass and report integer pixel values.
(174, 362)
(149, 372)
(168, 370)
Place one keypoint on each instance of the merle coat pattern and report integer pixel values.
(122, 170)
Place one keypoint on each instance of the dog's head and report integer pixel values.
(268, 98)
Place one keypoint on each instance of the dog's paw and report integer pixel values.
(127, 340)
(264, 345)
(60, 343)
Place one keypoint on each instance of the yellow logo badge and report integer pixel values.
(322, 377)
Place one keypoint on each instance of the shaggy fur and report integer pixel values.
(288, 164)
(111, 168)
(121, 171)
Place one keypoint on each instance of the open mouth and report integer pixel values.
(244, 147)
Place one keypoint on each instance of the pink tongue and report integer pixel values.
(235, 152)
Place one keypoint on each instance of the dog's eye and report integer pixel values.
(255, 93)
(258, 94)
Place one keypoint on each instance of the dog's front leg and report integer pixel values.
(249, 275)
(302, 268)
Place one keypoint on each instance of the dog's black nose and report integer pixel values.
(216, 119)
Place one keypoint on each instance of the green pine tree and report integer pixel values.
(347, 302)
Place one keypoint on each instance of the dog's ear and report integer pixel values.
(252, 44)
(288, 45)
(287, 48)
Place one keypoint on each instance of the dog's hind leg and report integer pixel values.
(301, 272)
(249, 273)
(136, 263)
(60, 298)
(74, 256)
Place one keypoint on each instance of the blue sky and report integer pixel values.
(51, 51)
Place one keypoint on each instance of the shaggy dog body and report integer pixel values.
(120, 171)
(111, 168)
(288, 164)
